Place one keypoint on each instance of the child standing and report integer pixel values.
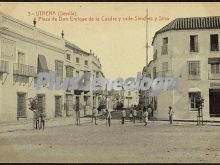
(134, 113)
(123, 112)
(145, 115)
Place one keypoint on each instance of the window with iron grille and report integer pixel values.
(214, 42)
(215, 68)
(192, 99)
(59, 69)
(194, 68)
(69, 71)
(21, 105)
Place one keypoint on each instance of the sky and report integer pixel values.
(120, 46)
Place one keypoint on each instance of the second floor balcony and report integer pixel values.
(24, 70)
(4, 67)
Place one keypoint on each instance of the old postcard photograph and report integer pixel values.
(109, 82)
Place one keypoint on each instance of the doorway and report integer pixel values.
(41, 103)
(58, 106)
(214, 103)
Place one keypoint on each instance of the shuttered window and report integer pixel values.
(59, 69)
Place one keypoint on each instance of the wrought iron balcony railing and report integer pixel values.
(4, 67)
(24, 70)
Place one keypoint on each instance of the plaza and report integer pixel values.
(158, 142)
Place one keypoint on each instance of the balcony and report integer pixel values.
(164, 49)
(4, 67)
(24, 70)
(214, 76)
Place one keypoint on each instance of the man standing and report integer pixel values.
(108, 117)
(149, 112)
(134, 113)
(77, 114)
(95, 115)
(123, 112)
(170, 114)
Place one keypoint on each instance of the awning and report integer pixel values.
(42, 64)
(194, 90)
(78, 92)
(213, 60)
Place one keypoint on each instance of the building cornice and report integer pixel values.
(30, 40)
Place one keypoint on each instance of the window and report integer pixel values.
(77, 73)
(69, 71)
(77, 60)
(59, 69)
(192, 100)
(164, 49)
(21, 105)
(8, 48)
(194, 43)
(164, 68)
(154, 72)
(214, 42)
(86, 62)
(68, 57)
(165, 41)
(194, 68)
(215, 68)
(21, 58)
(155, 55)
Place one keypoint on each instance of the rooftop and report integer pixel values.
(191, 24)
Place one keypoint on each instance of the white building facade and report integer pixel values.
(26, 51)
(189, 49)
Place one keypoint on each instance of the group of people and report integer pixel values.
(133, 114)
(144, 115)
(39, 117)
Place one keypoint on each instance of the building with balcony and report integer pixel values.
(189, 49)
(25, 51)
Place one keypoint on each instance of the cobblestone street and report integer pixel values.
(158, 142)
